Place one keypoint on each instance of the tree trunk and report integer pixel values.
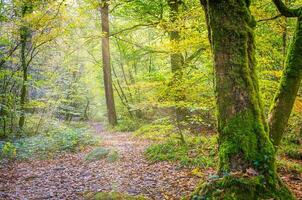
(246, 155)
(289, 86)
(24, 40)
(177, 64)
(106, 64)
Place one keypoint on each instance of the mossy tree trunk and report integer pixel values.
(106, 64)
(247, 156)
(290, 81)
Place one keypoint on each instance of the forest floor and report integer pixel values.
(69, 176)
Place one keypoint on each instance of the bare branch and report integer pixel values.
(268, 19)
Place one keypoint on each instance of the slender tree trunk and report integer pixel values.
(177, 64)
(246, 155)
(106, 64)
(24, 40)
(177, 60)
(289, 86)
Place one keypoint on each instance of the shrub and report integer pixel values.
(8, 151)
(48, 145)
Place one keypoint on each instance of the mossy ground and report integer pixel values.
(238, 187)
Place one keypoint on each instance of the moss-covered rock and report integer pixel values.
(97, 154)
(111, 196)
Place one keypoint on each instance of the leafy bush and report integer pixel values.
(47, 145)
(8, 151)
(197, 152)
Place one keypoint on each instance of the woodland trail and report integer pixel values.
(69, 176)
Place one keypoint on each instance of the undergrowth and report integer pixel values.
(47, 145)
(291, 146)
(201, 151)
(197, 152)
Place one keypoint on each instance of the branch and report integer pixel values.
(194, 55)
(133, 27)
(268, 19)
(287, 12)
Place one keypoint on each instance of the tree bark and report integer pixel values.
(246, 155)
(106, 64)
(290, 81)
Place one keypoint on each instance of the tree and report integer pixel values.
(25, 35)
(247, 157)
(291, 79)
(177, 64)
(106, 64)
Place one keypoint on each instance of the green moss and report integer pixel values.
(97, 154)
(289, 86)
(239, 188)
(244, 142)
(243, 135)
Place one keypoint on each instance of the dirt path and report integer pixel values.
(69, 176)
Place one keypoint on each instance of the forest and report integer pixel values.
(150, 99)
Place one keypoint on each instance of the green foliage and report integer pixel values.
(233, 187)
(50, 144)
(127, 124)
(9, 151)
(197, 152)
(158, 130)
(288, 165)
(291, 146)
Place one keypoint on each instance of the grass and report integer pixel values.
(291, 147)
(202, 151)
(157, 131)
(287, 165)
(128, 125)
(197, 152)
